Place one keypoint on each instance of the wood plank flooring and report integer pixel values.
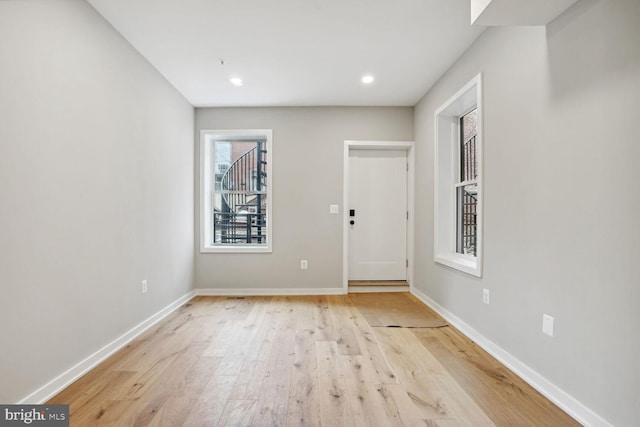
(301, 361)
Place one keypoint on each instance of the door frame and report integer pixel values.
(409, 147)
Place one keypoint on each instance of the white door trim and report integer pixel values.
(408, 146)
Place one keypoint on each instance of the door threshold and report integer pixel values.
(367, 286)
(378, 283)
(360, 289)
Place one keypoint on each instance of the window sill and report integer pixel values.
(460, 263)
(236, 249)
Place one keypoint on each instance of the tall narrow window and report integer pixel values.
(467, 186)
(235, 191)
(458, 177)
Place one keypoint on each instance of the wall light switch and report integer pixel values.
(304, 264)
(334, 209)
(547, 324)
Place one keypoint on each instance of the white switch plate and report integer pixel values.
(547, 324)
(334, 209)
(145, 287)
(304, 264)
(485, 296)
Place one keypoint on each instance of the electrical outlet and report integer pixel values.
(145, 288)
(485, 296)
(334, 209)
(547, 325)
(304, 264)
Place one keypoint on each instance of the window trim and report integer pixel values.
(206, 175)
(446, 168)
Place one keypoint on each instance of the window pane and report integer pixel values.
(468, 146)
(467, 223)
(240, 195)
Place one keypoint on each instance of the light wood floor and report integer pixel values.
(296, 361)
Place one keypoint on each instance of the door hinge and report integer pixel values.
(407, 263)
(407, 214)
(407, 166)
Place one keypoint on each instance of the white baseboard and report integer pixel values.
(65, 379)
(566, 402)
(269, 292)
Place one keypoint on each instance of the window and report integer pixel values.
(467, 186)
(235, 191)
(458, 177)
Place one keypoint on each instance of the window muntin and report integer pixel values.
(236, 191)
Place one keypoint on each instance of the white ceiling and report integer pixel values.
(296, 52)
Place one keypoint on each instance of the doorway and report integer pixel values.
(378, 220)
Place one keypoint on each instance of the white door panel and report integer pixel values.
(378, 196)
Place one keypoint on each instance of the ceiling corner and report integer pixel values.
(517, 12)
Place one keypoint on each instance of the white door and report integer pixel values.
(378, 203)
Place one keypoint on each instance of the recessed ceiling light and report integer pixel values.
(368, 79)
(236, 81)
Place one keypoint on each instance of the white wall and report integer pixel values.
(308, 146)
(96, 190)
(562, 237)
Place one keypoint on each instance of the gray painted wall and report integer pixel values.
(308, 148)
(561, 150)
(96, 190)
